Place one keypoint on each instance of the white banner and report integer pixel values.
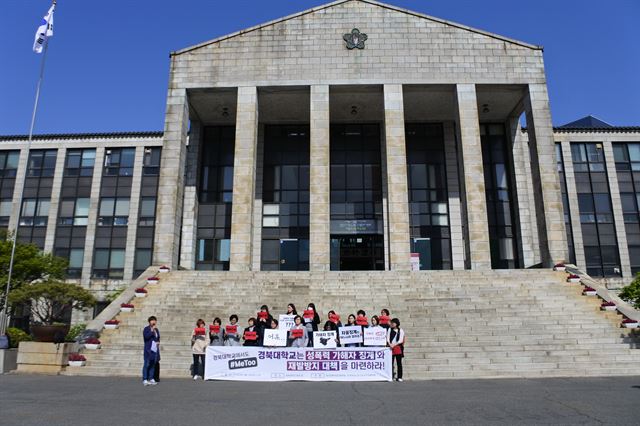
(257, 364)
(275, 337)
(324, 339)
(350, 334)
(286, 322)
(375, 336)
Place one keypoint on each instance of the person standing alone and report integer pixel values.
(151, 336)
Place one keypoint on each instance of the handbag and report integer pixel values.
(396, 350)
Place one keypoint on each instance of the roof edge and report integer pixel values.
(338, 2)
(106, 135)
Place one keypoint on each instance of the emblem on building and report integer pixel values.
(355, 39)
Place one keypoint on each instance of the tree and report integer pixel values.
(49, 299)
(30, 265)
(631, 293)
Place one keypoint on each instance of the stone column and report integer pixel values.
(616, 202)
(453, 189)
(548, 198)
(56, 186)
(244, 165)
(475, 201)
(319, 181)
(171, 182)
(190, 204)
(256, 254)
(397, 184)
(94, 201)
(18, 187)
(134, 210)
(572, 196)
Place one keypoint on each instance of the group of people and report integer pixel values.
(299, 336)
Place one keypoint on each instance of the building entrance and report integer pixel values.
(357, 252)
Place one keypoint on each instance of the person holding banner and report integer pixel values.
(251, 335)
(395, 340)
(232, 332)
(291, 309)
(331, 326)
(298, 335)
(264, 322)
(311, 322)
(384, 319)
(198, 348)
(216, 333)
(351, 321)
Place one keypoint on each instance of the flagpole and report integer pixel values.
(4, 323)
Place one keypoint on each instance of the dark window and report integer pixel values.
(42, 163)
(627, 157)
(80, 162)
(108, 263)
(151, 161)
(119, 161)
(596, 215)
(8, 170)
(147, 210)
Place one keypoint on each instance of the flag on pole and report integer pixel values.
(45, 30)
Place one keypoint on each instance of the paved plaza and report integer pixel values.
(40, 400)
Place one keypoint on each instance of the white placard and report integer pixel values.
(350, 334)
(275, 337)
(255, 364)
(286, 322)
(415, 261)
(324, 339)
(375, 336)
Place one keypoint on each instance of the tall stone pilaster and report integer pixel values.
(574, 211)
(134, 210)
(397, 183)
(547, 195)
(94, 201)
(171, 182)
(475, 202)
(190, 203)
(56, 186)
(319, 181)
(453, 189)
(244, 167)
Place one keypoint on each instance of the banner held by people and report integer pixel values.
(307, 364)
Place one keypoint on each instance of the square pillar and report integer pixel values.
(544, 175)
(166, 244)
(475, 201)
(397, 184)
(134, 210)
(244, 172)
(56, 187)
(453, 189)
(94, 201)
(190, 203)
(574, 211)
(319, 181)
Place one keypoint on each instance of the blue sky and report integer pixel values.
(108, 62)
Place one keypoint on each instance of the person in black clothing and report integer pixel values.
(252, 327)
(311, 324)
(291, 309)
(331, 326)
(264, 322)
(395, 339)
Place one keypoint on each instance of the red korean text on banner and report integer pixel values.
(215, 329)
(263, 315)
(362, 321)
(231, 329)
(308, 313)
(297, 333)
(384, 320)
(251, 335)
(199, 331)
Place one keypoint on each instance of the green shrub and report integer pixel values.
(16, 336)
(74, 332)
(631, 293)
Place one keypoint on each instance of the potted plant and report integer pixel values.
(126, 307)
(607, 306)
(629, 323)
(92, 343)
(48, 301)
(140, 292)
(560, 267)
(573, 278)
(111, 324)
(589, 291)
(77, 360)
(153, 280)
(164, 269)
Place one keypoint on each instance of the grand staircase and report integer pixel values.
(459, 324)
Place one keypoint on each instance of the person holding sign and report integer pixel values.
(250, 335)
(331, 326)
(385, 317)
(311, 322)
(374, 335)
(361, 319)
(232, 332)
(216, 333)
(264, 322)
(198, 348)
(335, 318)
(298, 335)
(395, 340)
(351, 321)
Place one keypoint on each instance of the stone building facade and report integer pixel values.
(352, 136)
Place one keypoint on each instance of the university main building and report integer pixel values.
(349, 137)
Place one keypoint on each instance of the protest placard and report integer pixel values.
(286, 322)
(350, 334)
(324, 339)
(275, 337)
(375, 336)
